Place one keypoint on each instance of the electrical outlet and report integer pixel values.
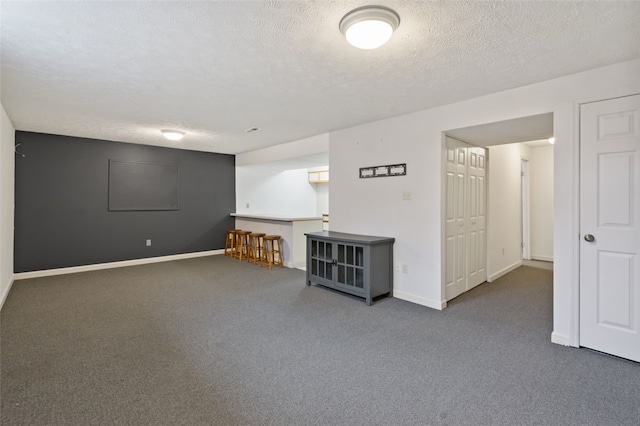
(405, 268)
(148, 243)
(406, 195)
(398, 267)
(503, 250)
(247, 206)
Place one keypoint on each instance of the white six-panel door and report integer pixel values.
(610, 226)
(455, 221)
(477, 218)
(465, 218)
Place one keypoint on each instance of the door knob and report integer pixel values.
(589, 238)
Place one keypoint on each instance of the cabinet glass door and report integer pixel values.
(321, 259)
(350, 265)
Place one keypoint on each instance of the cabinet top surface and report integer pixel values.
(274, 217)
(368, 239)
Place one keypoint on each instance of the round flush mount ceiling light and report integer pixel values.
(369, 27)
(172, 135)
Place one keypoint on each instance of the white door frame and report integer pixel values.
(525, 210)
(566, 129)
(567, 261)
(607, 322)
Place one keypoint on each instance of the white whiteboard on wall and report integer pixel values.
(143, 186)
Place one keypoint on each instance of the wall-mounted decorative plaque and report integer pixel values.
(383, 171)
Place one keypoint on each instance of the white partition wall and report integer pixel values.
(378, 206)
(504, 235)
(7, 167)
(541, 189)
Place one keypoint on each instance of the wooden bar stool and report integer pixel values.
(242, 243)
(256, 247)
(272, 251)
(236, 241)
(230, 242)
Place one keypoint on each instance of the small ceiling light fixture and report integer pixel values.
(369, 27)
(552, 140)
(172, 135)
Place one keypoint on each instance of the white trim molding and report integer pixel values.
(430, 303)
(6, 293)
(560, 339)
(504, 271)
(110, 265)
(542, 257)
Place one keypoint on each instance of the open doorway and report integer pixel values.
(513, 234)
(290, 187)
(538, 214)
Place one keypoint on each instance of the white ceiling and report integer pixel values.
(122, 71)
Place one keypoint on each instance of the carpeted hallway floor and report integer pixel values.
(212, 341)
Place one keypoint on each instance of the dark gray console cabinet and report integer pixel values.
(360, 265)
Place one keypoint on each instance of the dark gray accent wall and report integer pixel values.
(61, 203)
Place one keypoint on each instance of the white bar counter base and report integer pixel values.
(291, 229)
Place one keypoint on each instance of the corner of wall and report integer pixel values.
(504, 271)
(5, 292)
(561, 339)
(429, 303)
(7, 201)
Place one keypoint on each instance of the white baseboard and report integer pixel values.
(542, 257)
(560, 339)
(6, 292)
(504, 271)
(430, 303)
(110, 265)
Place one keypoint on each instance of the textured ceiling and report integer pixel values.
(122, 70)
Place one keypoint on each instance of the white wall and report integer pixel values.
(504, 216)
(375, 206)
(275, 192)
(541, 211)
(322, 198)
(7, 196)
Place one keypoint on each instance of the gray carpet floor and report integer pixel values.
(212, 341)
